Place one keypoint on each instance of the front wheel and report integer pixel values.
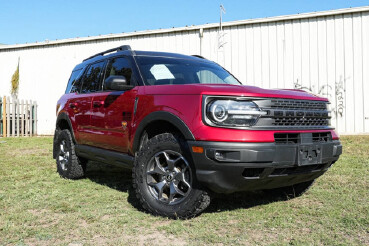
(164, 180)
(68, 164)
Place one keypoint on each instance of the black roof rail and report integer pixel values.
(198, 56)
(120, 48)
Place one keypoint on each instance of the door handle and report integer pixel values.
(73, 105)
(98, 104)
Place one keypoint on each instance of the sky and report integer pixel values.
(23, 21)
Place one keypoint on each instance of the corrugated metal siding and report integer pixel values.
(328, 55)
(325, 55)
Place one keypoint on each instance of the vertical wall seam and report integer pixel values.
(326, 53)
(293, 50)
(300, 52)
(284, 54)
(253, 53)
(309, 31)
(276, 45)
(269, 82)
(317, 55)
(261, 56)
(246, 53)
(344, 63)
(362, 69)
(353, 65)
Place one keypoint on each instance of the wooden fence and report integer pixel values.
(17, 117)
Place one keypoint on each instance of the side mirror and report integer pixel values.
(117, 83)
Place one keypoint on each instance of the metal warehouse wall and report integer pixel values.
(326, 53)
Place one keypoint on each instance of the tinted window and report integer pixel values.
(120, 66)
(74, 83)
(208, 77)
(92, 79)
(164, 70)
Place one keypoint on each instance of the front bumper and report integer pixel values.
(227, 167)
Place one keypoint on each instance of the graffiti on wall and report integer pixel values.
(334, 94)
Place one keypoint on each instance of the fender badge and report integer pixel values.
(124, 124)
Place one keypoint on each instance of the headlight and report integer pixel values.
(233, 113)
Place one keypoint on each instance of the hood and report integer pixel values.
(229, 90)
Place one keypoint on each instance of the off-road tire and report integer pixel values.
(196, 200)
(74, 167)
(292, 191)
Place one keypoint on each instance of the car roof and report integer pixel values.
(136, 53)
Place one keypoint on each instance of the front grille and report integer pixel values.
(294, 113)
(297, 114)
(280, 121)
(322, 137)
(298, 104)
(287, 138)
(296, 138)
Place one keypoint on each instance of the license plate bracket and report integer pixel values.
(309, 154)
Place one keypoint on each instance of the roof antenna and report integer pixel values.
(222, 10)
(221, 34)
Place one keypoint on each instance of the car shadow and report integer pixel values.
(121, 179)
(244, 200)
(113, 177)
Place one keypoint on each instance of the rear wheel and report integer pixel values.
(68, 164)
(164, 180)
(292, 191)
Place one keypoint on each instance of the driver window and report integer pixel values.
(120, 66)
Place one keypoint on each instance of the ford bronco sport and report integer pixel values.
(188, 128)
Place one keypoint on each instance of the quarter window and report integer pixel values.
(74, 83)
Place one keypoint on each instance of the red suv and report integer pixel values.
(188, 128)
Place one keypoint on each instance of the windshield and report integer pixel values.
(176, 71)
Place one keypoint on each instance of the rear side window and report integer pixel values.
(74, 83)
(120, 66)
(92, 78)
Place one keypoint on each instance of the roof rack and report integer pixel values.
(120, 48)
(198, 56)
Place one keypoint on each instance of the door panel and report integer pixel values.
(79, 108)
(81, 103)
(111, 122)
(112, 111)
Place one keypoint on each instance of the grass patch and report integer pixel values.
(37, 207)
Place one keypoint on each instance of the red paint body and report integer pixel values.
(97, 118)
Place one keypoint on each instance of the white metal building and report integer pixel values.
(324, 52)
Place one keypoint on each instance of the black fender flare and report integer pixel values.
(62, 116)
(163, 116)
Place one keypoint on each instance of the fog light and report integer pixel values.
(218, 155)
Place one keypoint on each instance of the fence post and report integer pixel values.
(21, 118)
(1, 116)
(26, 116)
(35, 103)
(4, 117)
(30, 118)
(13, 116)
(17, 116)
(8, 117)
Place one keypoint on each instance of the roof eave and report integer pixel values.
(190, 28)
